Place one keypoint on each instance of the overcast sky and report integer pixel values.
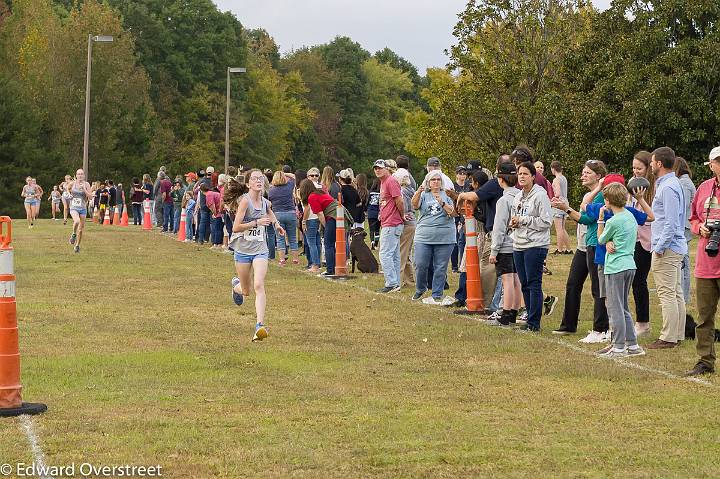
(418, 30)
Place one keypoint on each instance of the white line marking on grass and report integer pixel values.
(28, 428)
(565, 344)
(632, 365)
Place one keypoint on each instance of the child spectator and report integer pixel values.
(501, 251)
(619, 237)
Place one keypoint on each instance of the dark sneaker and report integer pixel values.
(416, 296)
(660, 344)
(388, 289)
(563, 331)
(699, 370)
(546, 271)
(526, 328)
(77, 248)
(73, 237)
(237, 297)
(549, 305)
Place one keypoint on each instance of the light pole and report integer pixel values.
(227, 116)
(86, 136)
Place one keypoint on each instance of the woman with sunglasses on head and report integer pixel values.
(592, 174)
(253, 213)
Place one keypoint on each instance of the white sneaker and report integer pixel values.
(447, 301)
(595, 337)
(614, 353)
(432, 301)
(641, 329)
(637, 351)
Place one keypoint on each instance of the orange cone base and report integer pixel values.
(30, 408)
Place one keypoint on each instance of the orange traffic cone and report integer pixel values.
(340, 243)
(474, 302)
(116, 217)
(147, 222)
(10, 388)
(106, 217)
(181, 228)
(124, 219)
(96, 215)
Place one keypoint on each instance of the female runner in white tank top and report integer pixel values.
(252, 215)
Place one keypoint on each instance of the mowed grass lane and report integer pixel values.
(142, 358)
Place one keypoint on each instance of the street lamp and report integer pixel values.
(227, 116)
(86, 137)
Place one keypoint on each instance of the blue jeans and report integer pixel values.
(329, 238)
(216, 230)
(203, 235)
(439, 254)
(497, 296)
(685, 278)
(461, 293)
(390, 254)
(459, 250)
(529, 266)
(312, 238)
(177, 211)
(189, 233)
(270, 240)
(167, 209)
(288, 221)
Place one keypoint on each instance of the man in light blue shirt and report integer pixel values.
(668, 247)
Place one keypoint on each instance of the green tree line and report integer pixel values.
(158, 94)
(572, 82)
(576, 84)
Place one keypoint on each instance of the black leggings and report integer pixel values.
(573, 291)
(137, 218)
(643, 260)
(374, 224)
(601, 323)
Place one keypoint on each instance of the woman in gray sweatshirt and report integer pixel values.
(531, 221)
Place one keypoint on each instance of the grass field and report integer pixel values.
(142, 358)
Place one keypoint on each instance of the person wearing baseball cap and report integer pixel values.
(392, 210)
(433, 163)
(704, 222)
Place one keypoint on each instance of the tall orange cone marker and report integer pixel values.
(96, 215)
(124, 219)
(181, 228)
(340, 243)
(474, 301)
(116, 217)
(147, 222)
(11, 403)
(106, 217)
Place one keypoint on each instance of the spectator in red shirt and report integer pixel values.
(392, 210)
(325, 207)
(704, 219)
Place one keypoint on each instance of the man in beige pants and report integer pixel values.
(668, 246)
